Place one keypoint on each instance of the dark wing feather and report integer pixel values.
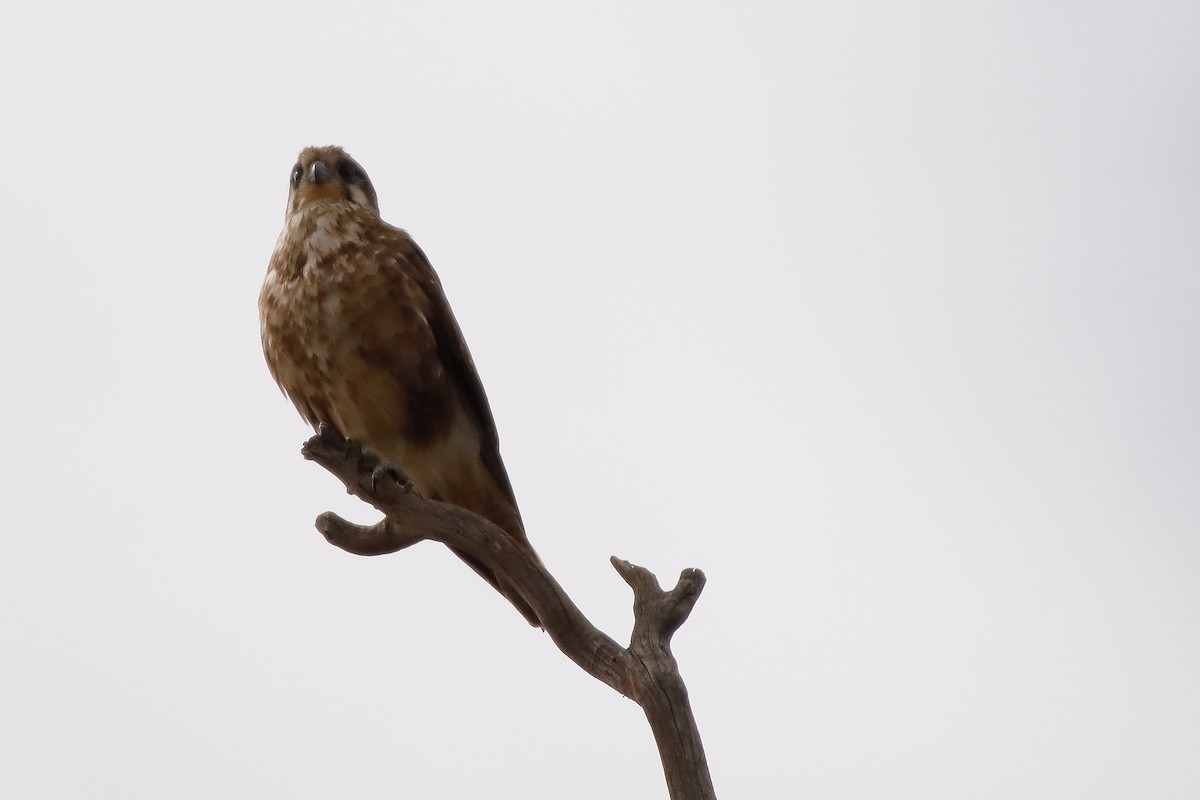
(452, 347)
(456, 359)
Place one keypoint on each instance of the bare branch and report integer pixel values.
(659, 614)
(646, 671)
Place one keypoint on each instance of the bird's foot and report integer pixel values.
(329, 442)
(332, 438)
(329, 445)
(385, 472)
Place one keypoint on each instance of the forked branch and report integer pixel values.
(646, 671)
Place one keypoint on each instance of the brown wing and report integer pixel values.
(456, 359)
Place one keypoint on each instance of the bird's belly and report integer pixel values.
(429, 438)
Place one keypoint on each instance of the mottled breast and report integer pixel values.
(344, 314)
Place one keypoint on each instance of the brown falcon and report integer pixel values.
(359, 335)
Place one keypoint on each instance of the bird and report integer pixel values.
(359, 335)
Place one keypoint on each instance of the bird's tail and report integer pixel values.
(513, 596)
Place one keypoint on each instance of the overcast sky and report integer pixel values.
(884, 315)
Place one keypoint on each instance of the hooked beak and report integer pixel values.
(318, 173)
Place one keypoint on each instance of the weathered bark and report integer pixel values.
(646, 671)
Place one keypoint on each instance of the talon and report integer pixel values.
(330, 435)
(386, 470)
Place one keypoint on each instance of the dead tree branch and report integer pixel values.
(646, 671)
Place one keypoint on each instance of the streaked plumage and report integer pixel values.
(358, 334)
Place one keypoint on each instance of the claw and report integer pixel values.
(386, 470)
(330, 435)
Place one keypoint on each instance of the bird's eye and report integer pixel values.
(349, 172)
(297, 174)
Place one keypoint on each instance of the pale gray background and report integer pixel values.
(884, 315)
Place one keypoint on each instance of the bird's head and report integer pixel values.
(329, 173)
